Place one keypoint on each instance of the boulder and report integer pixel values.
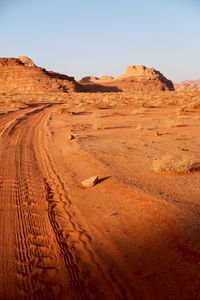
(27, 61)
(90, 182)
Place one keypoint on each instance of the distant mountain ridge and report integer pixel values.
(188, 85)
(191, 81)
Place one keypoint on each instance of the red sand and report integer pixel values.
(134, 235)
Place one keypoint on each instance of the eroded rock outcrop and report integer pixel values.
(106, 78)
(135, 78)
(27, 61)
(142, 78)
(89, 79)
(95, 79)
(17, 76)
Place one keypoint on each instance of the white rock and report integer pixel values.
(90, 181)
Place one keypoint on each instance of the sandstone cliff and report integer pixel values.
(135, 78)
(17, 76)
(142, 78)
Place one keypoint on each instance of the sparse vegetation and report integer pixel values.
(141, 99)
(171, 164)
(63, 109)
(175, 123)
(97, 122)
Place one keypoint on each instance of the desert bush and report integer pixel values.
(176, 122)
(194, 104)
(16, 102)
(147, 105)
(172, 102)
(63, 109)
(181, 109)
(171, 164)
(97, 122)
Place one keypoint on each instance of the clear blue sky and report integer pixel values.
(103, 37)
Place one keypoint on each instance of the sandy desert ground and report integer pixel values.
(135, 234)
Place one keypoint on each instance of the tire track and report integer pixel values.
(75, 237)
(35, 261)
(50, 254)
(68, 233)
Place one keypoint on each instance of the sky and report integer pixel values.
(102, 37)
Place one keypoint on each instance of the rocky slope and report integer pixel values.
(188, 85)
(135, 78)
(21, 75)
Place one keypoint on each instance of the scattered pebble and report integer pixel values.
(71, 113)
(71, 137)
(112, 215)
(157, 133)
(90, 181)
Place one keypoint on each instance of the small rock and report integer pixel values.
(71, 113)
(71, 137)
(157, 133)
(90, 181)
(114, 214)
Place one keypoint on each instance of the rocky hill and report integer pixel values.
(21, 75)
(135, 78)
(188, 85)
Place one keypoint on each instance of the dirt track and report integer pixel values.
(60, 241)
(35, 256)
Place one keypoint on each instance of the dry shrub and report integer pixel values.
(176, 122)
(171, 164)
(63, 109)
(194, 104)
(147, 105)
(97, 122)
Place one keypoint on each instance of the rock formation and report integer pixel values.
(188, 85)
(17, 76)
(89, 79)
(23, 76)
(27, 61)
(106, 78)
(142, 78)
(135, 78)
(96, 79)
